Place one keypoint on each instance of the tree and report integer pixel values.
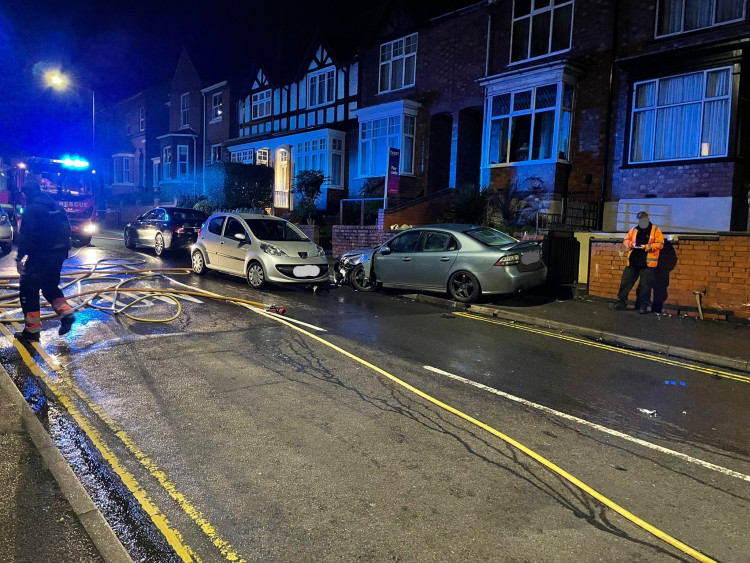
(233, 185)
(308, 184)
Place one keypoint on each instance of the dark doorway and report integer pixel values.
(469, 153)
(439, 169)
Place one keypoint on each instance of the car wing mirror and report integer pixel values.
(384, 250)
(242, 237)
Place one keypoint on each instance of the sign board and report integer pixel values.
(392, 178)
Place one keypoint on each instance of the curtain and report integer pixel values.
(642, 141)
(544, 135)
(670, 16)
(698, 14)
(715, 128)
(728, 10)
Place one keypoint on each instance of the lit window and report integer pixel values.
(530, 124)
(167, 162)
(678, 16)
(142, 119)
(321, 88)
(398, 63)
(680, 117)
(217, 106)
(185, 109)
(182, 161)
(262, 157)
(262, 104)
(376, 136)
(540, 28)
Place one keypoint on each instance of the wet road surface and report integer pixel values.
(255, 440)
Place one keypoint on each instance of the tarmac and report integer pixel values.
(46, 515)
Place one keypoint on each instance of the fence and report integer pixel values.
(574, 215)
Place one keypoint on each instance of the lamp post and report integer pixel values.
(61, 82)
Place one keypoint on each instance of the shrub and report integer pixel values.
(308, 184)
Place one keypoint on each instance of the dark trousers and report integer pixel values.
(630, 275)
(42, 273)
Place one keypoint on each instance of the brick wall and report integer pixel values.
(720, 264)
(349, 237)
(422, 212)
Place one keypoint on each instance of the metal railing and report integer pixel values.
(574, 215)
(281, 199)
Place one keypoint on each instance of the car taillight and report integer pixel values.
(177, 229)
(200, 229)
(508, 260)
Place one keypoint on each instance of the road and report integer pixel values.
(374, 427)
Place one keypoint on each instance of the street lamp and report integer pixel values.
(59, 81)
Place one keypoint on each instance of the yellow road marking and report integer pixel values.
(157, 517)
(611, 348)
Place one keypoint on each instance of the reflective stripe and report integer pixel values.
(61, 307)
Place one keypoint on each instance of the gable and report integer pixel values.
(321, 59)
(260, 81)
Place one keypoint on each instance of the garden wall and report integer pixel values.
(718, 265)
(349, 237)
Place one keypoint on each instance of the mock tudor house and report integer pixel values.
(303, 121)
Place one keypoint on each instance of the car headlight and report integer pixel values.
(89, 228)
(321, 251)
(508, 260)
(271, 249)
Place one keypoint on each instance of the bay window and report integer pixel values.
(531, 124)
(681, 117)
(377, 135)
(167, 163)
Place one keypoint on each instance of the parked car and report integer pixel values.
(6, 232)
(165, 228)
(261, 248)
(465, 260)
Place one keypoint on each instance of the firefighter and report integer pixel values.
(643, 242)
(43, 245)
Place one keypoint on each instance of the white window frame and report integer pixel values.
(554, 9)
(682, 29)
(261, 104)
(142, 119)
(562, 108)
(246, 156)
(703, 151)
(184, 110)
(312, 154)
(166, 163)
(337, 150)
(123, 169)
(398, 131)
(263, 157)
(395, 57)
(217, 106)
(216, 153)
(183, 161)
(324, 79)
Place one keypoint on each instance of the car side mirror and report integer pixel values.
(384, 250)
(242, 237)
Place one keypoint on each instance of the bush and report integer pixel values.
(204, 205)
(233, 185)
(516, 205)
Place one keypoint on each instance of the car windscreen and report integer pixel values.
(490, 237)
(194, 217)
(272, 230)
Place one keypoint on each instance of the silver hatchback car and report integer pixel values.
(261, 248)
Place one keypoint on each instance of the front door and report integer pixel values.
(281, 196)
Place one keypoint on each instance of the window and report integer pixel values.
(246, 156)
(262, 157)
(337, 163)
(406, 242)
(321, 88)
(141, 119)
(128, 127)
(679, 117)
(531, 124)
(185, 109)
(182, 161)
(398, 63)
(234, 227)
(217, 106)
(122, 166)
(214, 225)
(262, 104)
(679, 16)
(312, 155)
(376, 136)
(155, 172)
(438, 242)
(167, 162)
(540, 28)
(215, 153)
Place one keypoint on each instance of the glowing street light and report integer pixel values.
(55, 79)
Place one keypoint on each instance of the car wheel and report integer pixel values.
(83, 241)
(199, 264)
(464, 287)
(128, 238)
(159, 248)
(6, 248)
(360, 281)
(256, 277)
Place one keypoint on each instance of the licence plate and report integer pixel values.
(530, 257)
(308, 271)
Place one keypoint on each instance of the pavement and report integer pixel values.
(46, 515)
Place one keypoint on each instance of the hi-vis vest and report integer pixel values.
(655, 244)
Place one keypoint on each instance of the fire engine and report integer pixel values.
(67, 180)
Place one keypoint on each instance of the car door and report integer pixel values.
(233, 251)
(437, 251)
(211, 240)
(395, 266)
(145, 226)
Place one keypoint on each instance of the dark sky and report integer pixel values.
(119, 48)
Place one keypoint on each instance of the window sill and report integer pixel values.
(383, 93)
(216, 120)
(537, 59)
(525, 163)
(681, 162)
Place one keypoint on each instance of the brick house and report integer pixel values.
(299, 120)
(127, 134)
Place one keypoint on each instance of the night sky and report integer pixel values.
(117, 49)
